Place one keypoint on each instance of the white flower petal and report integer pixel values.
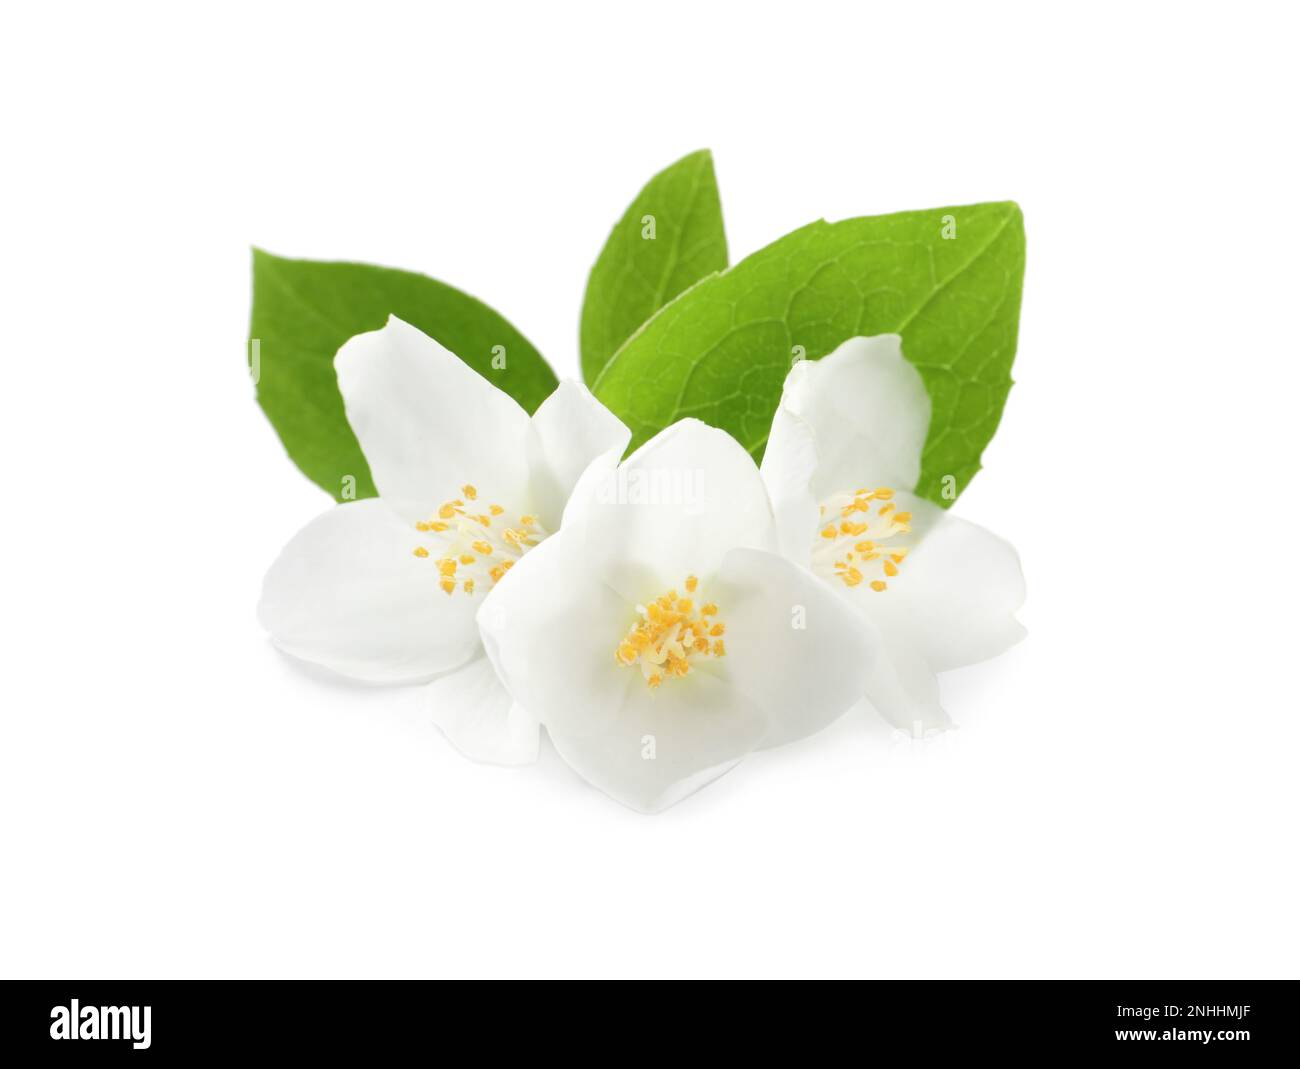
(676, 507)
(479, 718)
(551, 629)
(589, 488)
(568, 432)
(789, 468)
(802, 654)
(552, 632)
(904, 690)
(868, 410)
(955, 597)
(661, 746)
(348, 593)
(428, 423)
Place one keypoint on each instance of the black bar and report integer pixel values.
(365, 1020)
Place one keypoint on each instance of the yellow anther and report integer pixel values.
(718, 629)
(475, 555)
(719, 648)
(867, 560)
(669, 633)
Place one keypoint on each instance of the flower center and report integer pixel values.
(671, 633)
(858, 538)
(478, 543)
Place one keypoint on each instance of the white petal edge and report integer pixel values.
(800, 652)
(675, 507)
(479, 717)
(955, 598)
(347, 593)
(869, 413)
(428, 423)
(567, 432)
(788, 469)
(903, 689)
(661, 747)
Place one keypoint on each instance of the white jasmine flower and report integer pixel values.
(659, 637)
(386, 589)
(842, 460)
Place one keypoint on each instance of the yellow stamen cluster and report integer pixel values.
(671, 633)
(854, 543)
(475, 547)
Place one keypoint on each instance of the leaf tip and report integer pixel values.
(263, 258)
(700, 157)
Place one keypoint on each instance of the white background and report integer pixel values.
(178, 799)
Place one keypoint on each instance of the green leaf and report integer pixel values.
(947, 280)
(669, 239)
(304, 310)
